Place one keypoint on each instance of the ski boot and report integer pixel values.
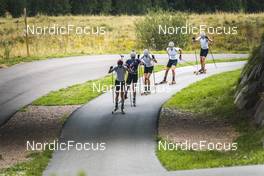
(173, 82)
(116, 108)
(134, 101)
(122, 108)
(162, 82)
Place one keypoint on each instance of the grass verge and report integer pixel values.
(34, 167)
(78, 94)
(213, 98)
(119, 37)
(73, 95)
(82, 93)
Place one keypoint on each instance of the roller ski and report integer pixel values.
(134, 102)
(200, 72)
(162, 82)
(145, 93)
(116, 110)
(172, 83)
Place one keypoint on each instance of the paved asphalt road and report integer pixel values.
(23, 83)
(129, 139)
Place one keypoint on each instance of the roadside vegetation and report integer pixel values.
(34, 167)
(78, 94)
(82, 93)
(213, 98)
(74, 95)
(120, 36)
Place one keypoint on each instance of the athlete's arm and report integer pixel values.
(154, 59)
(180, 50)
(196, 39)
(111, 69)
(142, 62)
(209, 39)
(126, 68)
(126, 63)
(167, 51)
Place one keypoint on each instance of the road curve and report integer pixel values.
(23, 83)
(130, 139)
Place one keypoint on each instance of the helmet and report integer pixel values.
(202, 34)
(146, 52)
(171, 44)
(119, 62)
(133, 54)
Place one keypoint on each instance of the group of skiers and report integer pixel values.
(132, 67)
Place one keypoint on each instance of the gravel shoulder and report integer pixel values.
(34, 123)
(179, 126)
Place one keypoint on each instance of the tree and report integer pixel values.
(3, 7)
(16, 7)
(117, 7)
(160, 4)
(55, 7)
(254, 6)
(104, 6)
(84, 6)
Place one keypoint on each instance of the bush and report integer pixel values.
(251, 83)
(150, 35)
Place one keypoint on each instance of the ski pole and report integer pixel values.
(188, 62)
(113, 96)
(141, 77)
(130, 88)
(196, 60)
(213, 57)
(154, 79)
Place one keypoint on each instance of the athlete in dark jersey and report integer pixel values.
(132, 77)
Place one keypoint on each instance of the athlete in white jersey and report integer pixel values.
(204, 43)
(148, 60)
(174, 54)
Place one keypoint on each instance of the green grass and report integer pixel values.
(213, 98)
(17, 60)
(120, 36)
(77, 94)
(73, 95)
(203, 97)
(210, 61)
(82, 93)
(34, 167)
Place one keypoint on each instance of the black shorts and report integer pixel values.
(148, 69)
(132, 78)
(172, 63)
(203, 52)
(119, 85)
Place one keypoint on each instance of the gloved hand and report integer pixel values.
(111, 67)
